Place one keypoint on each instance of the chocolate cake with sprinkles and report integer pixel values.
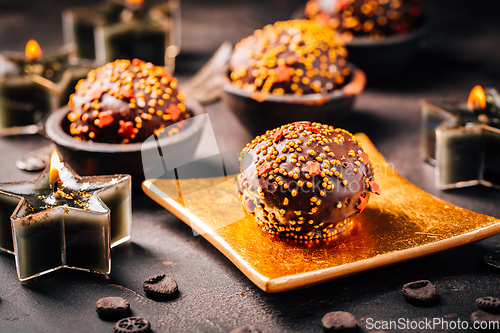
(126, 101)
(373, 18)
(305, 180)
(290, 57)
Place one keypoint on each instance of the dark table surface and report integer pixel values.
(463, 51)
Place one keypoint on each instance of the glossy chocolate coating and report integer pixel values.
(305, 180)
(366, 17)
(290, 57)
(126, 101)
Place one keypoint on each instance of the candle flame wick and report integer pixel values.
(33, 50)
(477, 99)
(134, 2)
(55, 167)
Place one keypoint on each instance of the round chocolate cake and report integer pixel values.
(126, 101)
(291, 57)
(305, 180)
(374, 18)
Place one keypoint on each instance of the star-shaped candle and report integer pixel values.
(64, 220)
(32, 85)
(463, 140)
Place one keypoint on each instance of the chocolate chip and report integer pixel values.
(246, 329)
(483, 319)
(161, 287)
(132, 325)
(488, 304)
(493, 258)
(113, 308)
(421, 292)
(339, 321)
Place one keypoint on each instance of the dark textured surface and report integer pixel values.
(215, 296)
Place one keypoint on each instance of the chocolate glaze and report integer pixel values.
(272, 58)
(126, 101)
(305, 180)
(385, 18)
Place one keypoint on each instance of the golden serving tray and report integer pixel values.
(402, 223)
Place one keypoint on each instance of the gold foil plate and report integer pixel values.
(402, 223)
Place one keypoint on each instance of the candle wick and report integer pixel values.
(56, 186)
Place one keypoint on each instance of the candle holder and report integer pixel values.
(31, 88)
(68, 223)
(125, 30)
(463, 142)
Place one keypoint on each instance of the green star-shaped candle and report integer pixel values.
(64, 220)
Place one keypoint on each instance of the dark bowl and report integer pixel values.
(136, 159)
(259, 113)
(390, 57)
(385, 59)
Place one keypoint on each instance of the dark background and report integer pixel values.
(463, 50)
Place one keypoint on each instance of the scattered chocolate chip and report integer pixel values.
(246, 329)
(112, 308)
(492, 258)
(132, 325)
(339, 321)
(488, 304)
(484, 319)
(421, 292)
(161, 287)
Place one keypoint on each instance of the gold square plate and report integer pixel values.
(402, 223)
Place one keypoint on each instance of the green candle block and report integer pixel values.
(24, 100)
(464, 145)
(133, 39)
(125, 30)
(8, 204)
(118, 200)
(62, 237)
(31, 89)
(71, 222)
(78, 26)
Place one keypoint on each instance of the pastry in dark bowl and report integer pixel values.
(382, 36)
(290, 70)
(305, 180)
(121, 115)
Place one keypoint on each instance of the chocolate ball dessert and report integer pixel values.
(305, 180)
(126, 101)
(291, 57)
(374, 18)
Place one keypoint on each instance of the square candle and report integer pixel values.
(125, 30)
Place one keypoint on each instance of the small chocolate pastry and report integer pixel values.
(161, 287)
(488, 304)
(290, 57)
(492, 258)
(339, 322)
(126, 101)
(132, 325)
(112, 308)
(484, 319)
(366, 17)
(305, 180)
(421, 292)
(246, 329)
